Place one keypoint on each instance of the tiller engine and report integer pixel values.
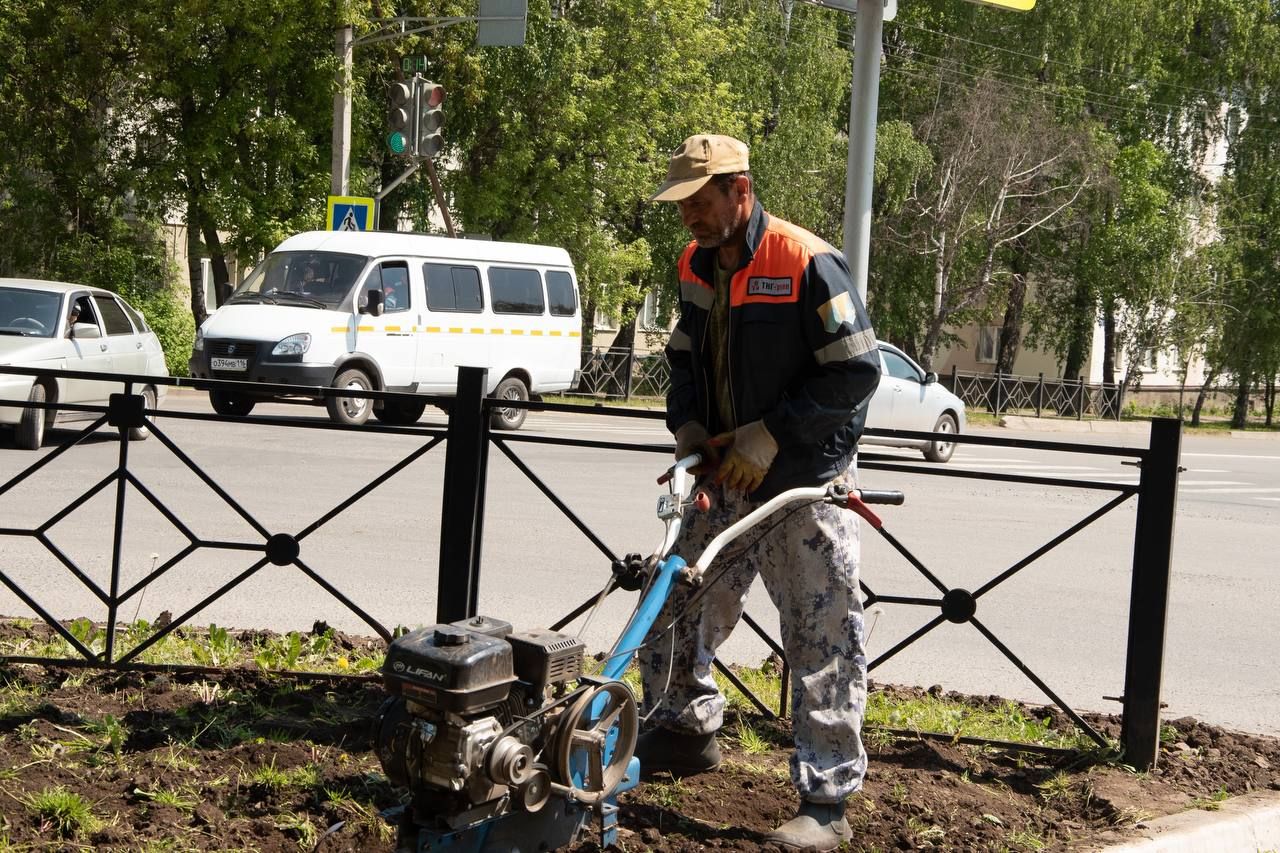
(500, 739)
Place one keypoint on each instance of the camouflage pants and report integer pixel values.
(809, 562)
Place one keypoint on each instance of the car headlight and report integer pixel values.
(293, 345)
(199, 344)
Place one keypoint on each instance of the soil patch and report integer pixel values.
(249, 760)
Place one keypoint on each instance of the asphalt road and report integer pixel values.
(1064, 615)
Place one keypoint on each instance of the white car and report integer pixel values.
(37, 330)
(909, 398)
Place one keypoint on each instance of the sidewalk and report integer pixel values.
(1029, 424)
(1245, 824)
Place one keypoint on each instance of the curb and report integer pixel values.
(1021, 422)
(1250, 822)
(1253, 435)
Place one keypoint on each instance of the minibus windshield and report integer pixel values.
(308, 279)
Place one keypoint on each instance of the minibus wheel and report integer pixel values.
(231, 404)
(400, 412)
(510, 388)
(352, 411)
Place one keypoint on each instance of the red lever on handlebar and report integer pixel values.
(702, 501)
(855, 503)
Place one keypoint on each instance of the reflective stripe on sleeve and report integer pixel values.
(680, 341)
(697, 294)
(846, 348)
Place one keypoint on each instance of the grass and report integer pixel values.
(65, 812)
(1007, 721)
(215, 646)
(184, 799)
(1213, 802)
(269, 776)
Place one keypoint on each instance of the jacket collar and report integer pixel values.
(703, 260)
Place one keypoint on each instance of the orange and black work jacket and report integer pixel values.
(801, 353)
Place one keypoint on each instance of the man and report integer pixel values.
(773, 355)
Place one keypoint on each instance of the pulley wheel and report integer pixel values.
(583, 732)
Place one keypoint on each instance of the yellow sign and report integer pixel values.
(349, 213)
(1015, 5)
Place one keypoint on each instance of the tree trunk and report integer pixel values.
(1109, 344)
(588, 323)
(1205, 387)
(1081, 333)
(929, 349)
(195, 270)
(218, 260)
(1240, 415)
(1270, 398)
(1011, 330)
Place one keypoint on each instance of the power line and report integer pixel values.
(1046, 59)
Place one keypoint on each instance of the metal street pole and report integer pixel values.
(864, 104)
(342, 114)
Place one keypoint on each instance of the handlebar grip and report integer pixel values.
(872, 496)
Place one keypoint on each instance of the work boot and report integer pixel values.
(818, 826)
(666, 751)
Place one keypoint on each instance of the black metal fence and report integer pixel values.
(620, 373)
(468, 440)
(1003, 393)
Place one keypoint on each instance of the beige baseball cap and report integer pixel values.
(696, 160)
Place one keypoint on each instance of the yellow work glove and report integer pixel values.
(751, 452)
(694, 438)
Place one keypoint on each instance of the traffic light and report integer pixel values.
(430, 99)
(401, 118)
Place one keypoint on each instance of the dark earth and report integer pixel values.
(250, 760)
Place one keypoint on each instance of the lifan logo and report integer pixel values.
(419, 672)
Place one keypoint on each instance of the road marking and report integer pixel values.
(1231, 455)
(1183, 484)
(1238, 491)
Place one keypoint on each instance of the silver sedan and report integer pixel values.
(49, 324)
(910, 398)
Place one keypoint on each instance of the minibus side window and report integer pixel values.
(515, 291)
(560, 293)
(395, 286)
(451, 288)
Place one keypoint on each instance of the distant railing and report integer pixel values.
(619, 373)
(1003, 393)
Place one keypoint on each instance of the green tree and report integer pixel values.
(233, 118)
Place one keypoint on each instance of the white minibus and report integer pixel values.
(397, 312)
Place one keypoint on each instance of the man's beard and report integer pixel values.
(724, 234)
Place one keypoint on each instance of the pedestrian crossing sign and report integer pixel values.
(350, 213)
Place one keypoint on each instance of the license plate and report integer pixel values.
(229, 363)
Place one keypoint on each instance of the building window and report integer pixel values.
(647, 317)
(988, 344)
(604, 323)
(1150, 361)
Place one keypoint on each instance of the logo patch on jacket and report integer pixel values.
(835, 312)
(761, 286)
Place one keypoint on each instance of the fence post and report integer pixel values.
(1040, 395)
(955, 380)
(999, 393)
(462, 507)
(1080, 402)
(1149, 598)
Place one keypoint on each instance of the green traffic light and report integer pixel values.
(397, 142)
